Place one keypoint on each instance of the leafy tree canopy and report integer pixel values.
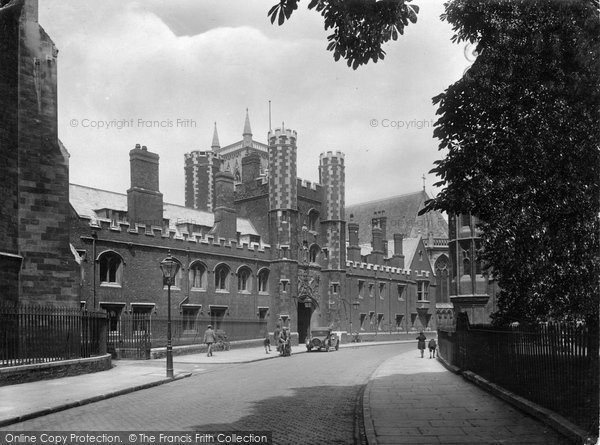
(521, 135)
(521, 130)
(360, 27)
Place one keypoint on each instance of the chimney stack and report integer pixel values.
(376, 256)
(144, 200)
(398, 257)
(225, 213)
(353, 247)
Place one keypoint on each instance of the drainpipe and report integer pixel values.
(94, 239)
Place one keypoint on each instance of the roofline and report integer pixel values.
(388, 198)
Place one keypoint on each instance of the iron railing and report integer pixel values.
(38, 334)
(554, 365)
(137, 333)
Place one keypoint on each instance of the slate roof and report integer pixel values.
(86, 200)
(401, 212)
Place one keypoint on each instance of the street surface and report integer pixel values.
(304, 399)
(312, 398)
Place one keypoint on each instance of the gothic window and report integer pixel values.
(140, 317)
(313, 218)
(244, 279)
(466, 262)
(371, 290)
(222, 278)
(197, 275)
(238, 178)
(478, 253)
(361, 288)
(111, 268)
(189, 315)
(263, 280)
(381, 290)
(442, 277)
(313, 253)
(422, 290)
(113, 311)
(401, 288)
(362, 321)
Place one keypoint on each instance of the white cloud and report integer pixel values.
(207, 61)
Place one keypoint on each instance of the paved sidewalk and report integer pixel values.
(29, 400)
(414, 400)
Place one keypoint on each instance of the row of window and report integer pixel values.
(111, 273)
(377, 322)
(422, 289)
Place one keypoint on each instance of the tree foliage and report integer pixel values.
(359, 27)
(521, 130)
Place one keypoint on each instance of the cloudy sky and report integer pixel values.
(190, 63)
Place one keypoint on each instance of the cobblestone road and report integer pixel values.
(303, 399)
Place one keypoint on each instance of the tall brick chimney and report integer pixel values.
(376, 256)
(353, 247)
(225, 213)
(144, 200)
(398, 257)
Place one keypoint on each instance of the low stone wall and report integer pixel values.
(201, 347)
(52, 370)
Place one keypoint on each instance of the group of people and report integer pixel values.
(421, 345)
(283, 339)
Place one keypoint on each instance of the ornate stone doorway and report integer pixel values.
(305, 310)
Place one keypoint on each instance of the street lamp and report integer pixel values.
(355, 304)
(169, 268)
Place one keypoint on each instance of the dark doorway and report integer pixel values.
(304, 314)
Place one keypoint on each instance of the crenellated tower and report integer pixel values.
(283, 191)
(200, 170)
(333, 180)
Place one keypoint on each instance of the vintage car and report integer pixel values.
(322, 339)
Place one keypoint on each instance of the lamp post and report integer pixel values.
(169, 268)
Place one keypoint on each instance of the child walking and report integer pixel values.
(267, 343)
(432, 347)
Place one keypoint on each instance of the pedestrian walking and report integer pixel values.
(209, 339)
(432, 347)
(267, 343)
(421, 343)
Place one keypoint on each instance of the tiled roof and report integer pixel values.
(401, 212)
(86, 200)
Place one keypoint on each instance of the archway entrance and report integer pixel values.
(305, 310)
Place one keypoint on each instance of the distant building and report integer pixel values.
(274, 247)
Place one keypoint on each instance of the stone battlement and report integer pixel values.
(284, 135)
(134, 233)
(405, 273)
(333, 155)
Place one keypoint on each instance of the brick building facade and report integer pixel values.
(275, 248)
(255, 242)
